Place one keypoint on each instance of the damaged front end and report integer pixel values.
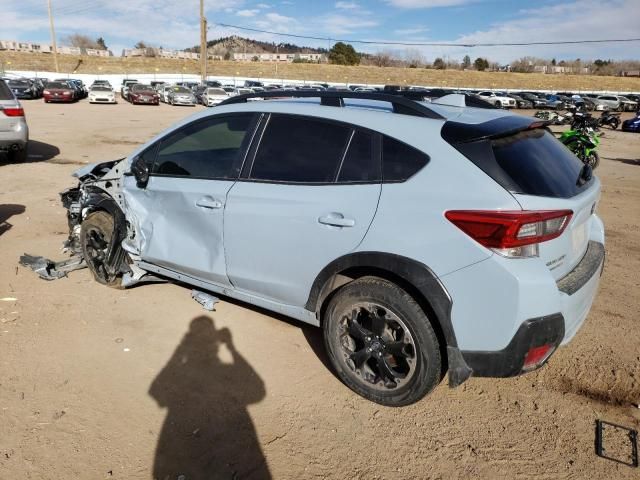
(99, 190)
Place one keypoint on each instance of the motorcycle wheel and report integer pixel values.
(593, 160)
(615, 124)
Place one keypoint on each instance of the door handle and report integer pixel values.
(336, 220)
(209, 202)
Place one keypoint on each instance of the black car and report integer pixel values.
(23, 88)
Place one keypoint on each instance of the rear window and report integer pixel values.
(532, 162)
(5, 93)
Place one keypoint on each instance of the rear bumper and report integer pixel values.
(509, 361)
(577, 289)
(15, 138)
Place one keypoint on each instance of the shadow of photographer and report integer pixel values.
(208, 433)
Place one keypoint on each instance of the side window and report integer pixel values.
(300, 149)
(400, 161)
(360, 164)
(209, 148)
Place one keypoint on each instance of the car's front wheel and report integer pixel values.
(381, 343)
(95, 238)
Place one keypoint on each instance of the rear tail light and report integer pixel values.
(13, 111)
(536, 356)
(514, 234)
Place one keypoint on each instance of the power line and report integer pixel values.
(431, 44)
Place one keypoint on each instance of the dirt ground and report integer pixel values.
(98, 383)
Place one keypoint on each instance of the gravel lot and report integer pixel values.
(97, 383)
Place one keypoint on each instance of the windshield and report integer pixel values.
(140, 87)
(181, 90)
(18, 83)
(216, 91)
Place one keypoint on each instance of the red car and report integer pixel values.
(59, 92)
(143, 94)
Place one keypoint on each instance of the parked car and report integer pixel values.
(628, 105)
(82, 89)
(228, 89)
(534, 99)
(609, 102)
(101, 94)
(60, 91)
(520, 101)
(141, 94)
(361, 221)
(555, 102)
(23, 88)
(124, 89)
(164, 93)
(38, 83)
(78, 93)
(497, 100)
(213, 96)
(181, 96)
(101, 83)
(253, 83)
(198, 91)
(632, 124)
(14, 132)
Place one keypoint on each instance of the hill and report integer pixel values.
(40, 62)
(236, 44)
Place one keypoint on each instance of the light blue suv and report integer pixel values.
(422, 237)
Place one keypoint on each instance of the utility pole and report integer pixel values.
(203, 44)
(53, 37)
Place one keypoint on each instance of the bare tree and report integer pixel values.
(81, 41)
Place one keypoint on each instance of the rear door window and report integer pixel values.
(210, 148)
(361, 163)
(400, 161)
(300, 150)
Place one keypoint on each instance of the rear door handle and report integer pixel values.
(209, 202)
(336, 220)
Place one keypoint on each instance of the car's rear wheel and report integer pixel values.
(95, 238)
(381, 343)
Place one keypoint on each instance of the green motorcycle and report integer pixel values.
(582, 140)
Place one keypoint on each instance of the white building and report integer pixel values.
(278, 57)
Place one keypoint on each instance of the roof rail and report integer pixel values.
(400, 104)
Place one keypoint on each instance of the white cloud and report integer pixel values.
(347, 5)
(248, 12)
(427, 3)
(410, 31)
(336, 24)
(579, 20)
(263, 5)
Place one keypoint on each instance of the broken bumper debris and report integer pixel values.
(50, 270)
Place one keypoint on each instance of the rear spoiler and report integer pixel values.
(456, 132)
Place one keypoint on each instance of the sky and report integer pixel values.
(174, 24)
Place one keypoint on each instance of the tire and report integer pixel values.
(615, 124)
(395, 365)
(95, 236)
(593, 160)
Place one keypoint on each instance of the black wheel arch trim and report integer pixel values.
(414, 273)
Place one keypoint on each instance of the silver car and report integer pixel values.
(609, 102)
(181, 96)
(14, 133)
